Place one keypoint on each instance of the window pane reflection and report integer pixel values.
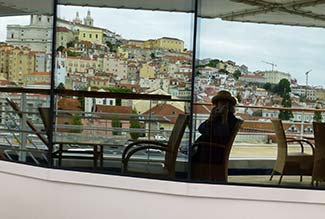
(134, 52)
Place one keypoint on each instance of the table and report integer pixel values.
(97, 151)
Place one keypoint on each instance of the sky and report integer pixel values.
(294, 50)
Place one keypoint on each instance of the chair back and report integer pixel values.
(319, 156)
(282, 151)
(36, 131)
(280, 136)
(45, 116)
(174, 142)
(228, 147)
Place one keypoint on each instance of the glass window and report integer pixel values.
(255, 57)
(120, 121)
(25, 65)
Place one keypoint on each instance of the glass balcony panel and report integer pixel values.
(19, 140)
(266, 67)
(25, 76)
(112, 52)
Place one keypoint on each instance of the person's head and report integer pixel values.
(223, 100)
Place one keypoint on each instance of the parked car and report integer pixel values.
(160, 138)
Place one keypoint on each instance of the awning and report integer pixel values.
(288, 12)
(25, 7)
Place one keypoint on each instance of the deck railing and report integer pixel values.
(19, 143)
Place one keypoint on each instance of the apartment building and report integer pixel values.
(37, 35)
(274, 77)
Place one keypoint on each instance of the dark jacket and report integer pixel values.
(214, 132)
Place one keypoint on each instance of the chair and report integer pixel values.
(299, 163)
(170, 149)
(45, 116)
(76, 153)
(216, 167)
(319, 161)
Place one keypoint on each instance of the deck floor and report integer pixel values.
(287, 181)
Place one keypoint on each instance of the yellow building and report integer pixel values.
(320, 94)
(99, 82)
(35, 78)
(83, 32)
(17, 63)
(122, 53)
(147, 71)
(150, 44)
(161, 43)
(136, 43)
(170, 44)
(4, 59)
(91, 34)
(78, 64)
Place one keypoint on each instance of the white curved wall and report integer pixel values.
(40, 193)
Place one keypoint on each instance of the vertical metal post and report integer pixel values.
(191, 127)
(149, 120)
(23, 127)
(52, 93)
(302, 124)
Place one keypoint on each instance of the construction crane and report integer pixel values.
(270, 63)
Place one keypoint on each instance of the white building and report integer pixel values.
(253, 79)
(154, 84)
(37, 35)
(91, 102)
(60, 69)
(117, 66)
(274, 77)
(302, 90)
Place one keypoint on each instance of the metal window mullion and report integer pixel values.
(52, 93)
(195, 30)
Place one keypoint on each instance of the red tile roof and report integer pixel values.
(62, 29)
(202, 109)
(167, 112)
(40, 73)
(114, 109)
(69, 104)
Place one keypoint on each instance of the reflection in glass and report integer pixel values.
(275, 71)
(115, 53)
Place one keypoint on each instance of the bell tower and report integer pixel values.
(88, 20)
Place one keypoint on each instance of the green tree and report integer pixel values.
(135, 124)
(119, 90)
(286, 102)
(60, 48)
(70, 44)
(237, 74)
(318, 115)
(74, 54)
(113, 47)
(267, 86)
(116, 123)
(152, 55)
(60, 86)
(76, 120)
(283, 87)
(213, 63)
(223, 71)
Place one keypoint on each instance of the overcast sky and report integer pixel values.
(293, 49)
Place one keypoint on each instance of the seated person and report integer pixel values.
(217, 129)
